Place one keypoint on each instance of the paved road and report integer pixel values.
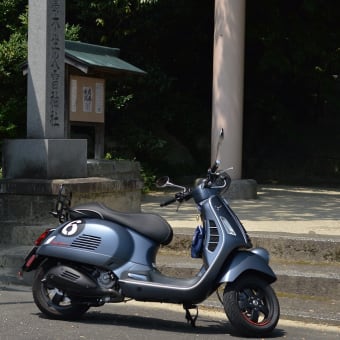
(20, 319)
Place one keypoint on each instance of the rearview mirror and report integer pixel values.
(162, 182)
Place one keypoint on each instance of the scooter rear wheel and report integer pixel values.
(251, 305)
(53, 302)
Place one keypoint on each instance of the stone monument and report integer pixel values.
(35, 167)
(46, 153)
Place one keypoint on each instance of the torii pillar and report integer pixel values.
(228, 73)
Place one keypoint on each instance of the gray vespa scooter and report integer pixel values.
(98, 256)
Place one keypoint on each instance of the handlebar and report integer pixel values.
(179, 197)
(214, 180)
(172, 200)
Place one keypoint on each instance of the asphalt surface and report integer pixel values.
(21, 319)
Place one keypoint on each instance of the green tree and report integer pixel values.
(13, 51)
(292, 62)
(291, 90)
(170, 108)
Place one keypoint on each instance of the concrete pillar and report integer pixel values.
(228, 73)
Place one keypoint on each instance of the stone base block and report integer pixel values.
(45, 158)
(27, 202)
(117, 169)
(242, 189)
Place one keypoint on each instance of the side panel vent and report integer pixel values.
(87, 242)
(69, 276)
(213, 236)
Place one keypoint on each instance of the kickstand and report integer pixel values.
(188, 315)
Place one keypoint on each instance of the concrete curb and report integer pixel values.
(280, 245)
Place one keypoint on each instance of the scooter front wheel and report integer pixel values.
(251, 305)
(53, 302)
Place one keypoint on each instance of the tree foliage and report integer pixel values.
(166, 113)
(13, 51)
(291, 93)
(291, 102)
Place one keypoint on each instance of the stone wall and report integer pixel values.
(27, 202)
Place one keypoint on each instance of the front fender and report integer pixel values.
(243, 261)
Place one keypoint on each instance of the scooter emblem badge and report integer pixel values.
(71, 228)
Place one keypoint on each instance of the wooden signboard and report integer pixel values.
(87, 99)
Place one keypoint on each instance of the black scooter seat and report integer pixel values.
(152, 226)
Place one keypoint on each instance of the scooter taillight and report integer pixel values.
(42, 237)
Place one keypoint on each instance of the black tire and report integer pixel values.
(251, 305)
(53, 302)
